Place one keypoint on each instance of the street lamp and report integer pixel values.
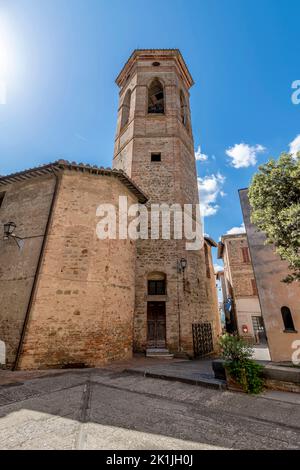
(183, 264)
(9, 229)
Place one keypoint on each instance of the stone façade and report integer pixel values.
(83, 302)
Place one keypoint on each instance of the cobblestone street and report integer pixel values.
(111, 409)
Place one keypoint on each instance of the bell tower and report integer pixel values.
(154, 146)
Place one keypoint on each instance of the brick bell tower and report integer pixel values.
(154, 146)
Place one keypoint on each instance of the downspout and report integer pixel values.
(37, 271)
(178, 308)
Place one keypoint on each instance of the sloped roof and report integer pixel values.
(64, 165)
(210, 241)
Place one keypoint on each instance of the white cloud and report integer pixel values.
(244, 155)
(295, 146)
(210, 188)
(200, 156)
(236, 230)
(218, 268)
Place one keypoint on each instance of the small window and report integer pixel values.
(1, 198)
(155, 157)
(287, 319)
(156, 287)
(245, 253)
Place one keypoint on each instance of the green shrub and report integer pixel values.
(237, 355)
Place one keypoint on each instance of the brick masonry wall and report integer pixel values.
(27, 204)
(83, 308)
(241, 272)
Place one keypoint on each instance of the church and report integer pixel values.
(70, 299)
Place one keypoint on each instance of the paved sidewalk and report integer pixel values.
(138, 360)
(261, 353)
(196, 372)
(110, 409)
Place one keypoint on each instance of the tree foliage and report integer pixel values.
(274, 196)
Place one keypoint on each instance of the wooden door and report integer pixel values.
(156, 324)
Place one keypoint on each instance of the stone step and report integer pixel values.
(192, 379)
(158, 350)
(161, 356)
(161, 353)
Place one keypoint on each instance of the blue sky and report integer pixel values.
(62, 57)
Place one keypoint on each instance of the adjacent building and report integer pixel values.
(214, 317)
(240, 296)
(280, 302)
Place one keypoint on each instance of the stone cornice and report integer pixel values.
(156, 55)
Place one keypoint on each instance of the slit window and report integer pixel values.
(287, 319)
(207, 261)
(254, 287)
(1, 198)
(155, 157)
(126, 109)
(245, 253)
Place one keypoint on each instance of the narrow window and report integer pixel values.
(287, 319)
(126, 109)
(254, 287)
(155, 157)
(156, 287)
(207, 261)
(1, 198)
(156, 102)
(245, 253)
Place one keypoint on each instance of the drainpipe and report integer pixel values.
(37, 271)
(178, 308)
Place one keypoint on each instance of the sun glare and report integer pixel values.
(7, 57)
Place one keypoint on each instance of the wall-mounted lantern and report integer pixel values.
(9, 229)
(183, 264)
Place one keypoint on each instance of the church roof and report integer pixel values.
(61, 165)
(156, 54)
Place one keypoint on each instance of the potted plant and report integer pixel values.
(242, 373)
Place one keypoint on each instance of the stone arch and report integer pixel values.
(184, 114)
(125, 109)
(156, 97)
(287, 319)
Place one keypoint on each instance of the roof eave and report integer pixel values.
(154, 52)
